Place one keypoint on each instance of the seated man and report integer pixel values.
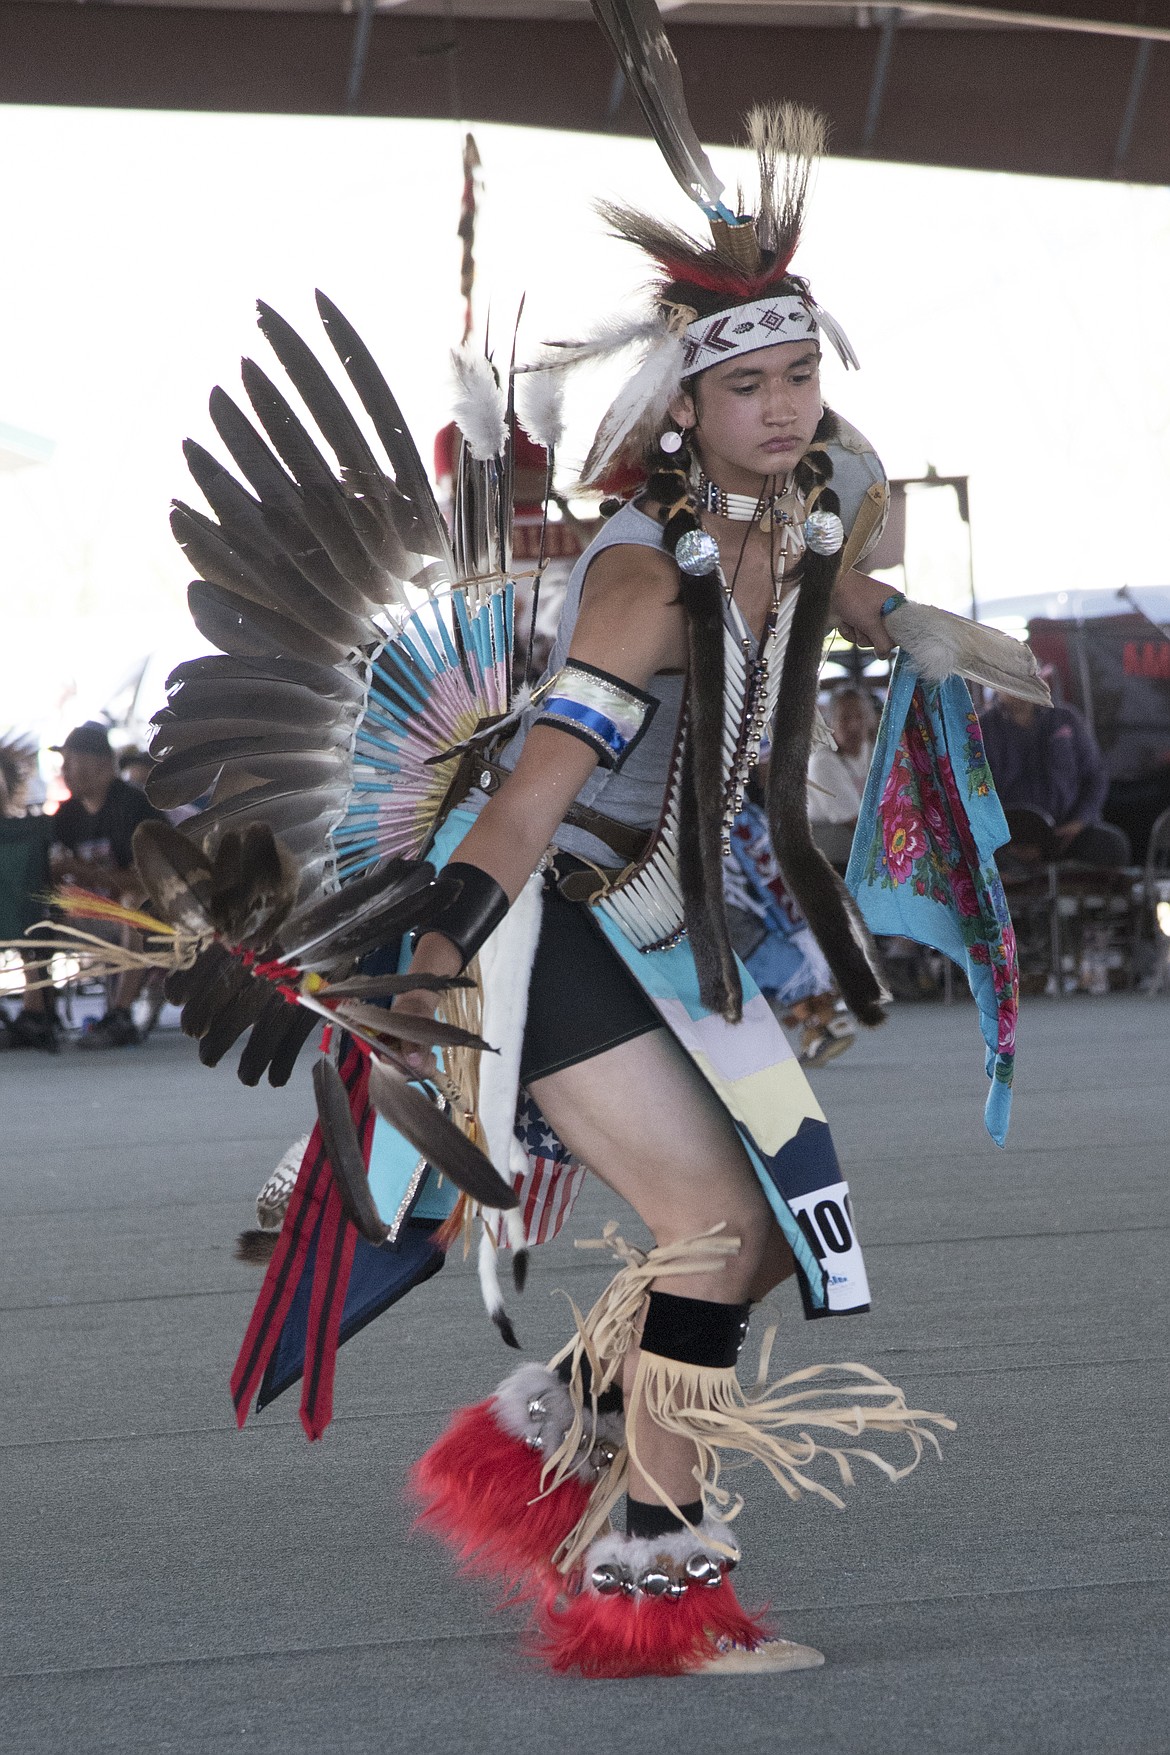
(91, 847)
(837, 777)
(1046, 759)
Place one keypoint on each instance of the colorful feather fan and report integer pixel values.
(447, 671)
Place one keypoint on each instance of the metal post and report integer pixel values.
(357, 61)
(877, 85)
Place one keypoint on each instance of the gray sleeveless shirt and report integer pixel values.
(635, 794)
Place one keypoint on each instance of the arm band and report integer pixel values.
(603, 711)
(472, 914)
(894, 601)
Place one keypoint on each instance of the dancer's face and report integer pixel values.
(754, 417)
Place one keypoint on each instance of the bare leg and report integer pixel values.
(644, 1119)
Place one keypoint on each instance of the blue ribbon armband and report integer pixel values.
(608, 714)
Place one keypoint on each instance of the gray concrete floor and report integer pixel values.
(170, 1584)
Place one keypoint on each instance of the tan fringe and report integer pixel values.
(711, 1409)
(605, 1336)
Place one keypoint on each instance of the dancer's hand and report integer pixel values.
(434, 955)
(856, 609)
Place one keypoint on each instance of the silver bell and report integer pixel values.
(536, 1407)
(601, 1456)
(697, 553)
(700, 1567)
(654, 1582)
(534, 1441)
(607, 1580)
(678, 1589)
(824, 532)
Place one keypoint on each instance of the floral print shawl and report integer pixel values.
(923, 860)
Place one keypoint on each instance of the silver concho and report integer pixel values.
(824, 532)
(697, 552)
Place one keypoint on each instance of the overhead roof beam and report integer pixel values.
(1044, 102)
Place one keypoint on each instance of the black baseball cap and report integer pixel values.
(90, 739)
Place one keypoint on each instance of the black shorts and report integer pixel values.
(582, 999)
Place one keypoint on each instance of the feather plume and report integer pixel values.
(635, 33)
(480, 404)
(787, 141)
(640, 407)
(540, 404)
(609, 339)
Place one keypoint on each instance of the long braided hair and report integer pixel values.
(671, 490)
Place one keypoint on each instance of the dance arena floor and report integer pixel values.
(170, 1584)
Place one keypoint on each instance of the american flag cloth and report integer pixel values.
(550, 1185)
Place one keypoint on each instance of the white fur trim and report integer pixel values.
(638, 1553)
(511, 1399)
(530, 1382)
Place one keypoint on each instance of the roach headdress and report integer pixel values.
(710, 301)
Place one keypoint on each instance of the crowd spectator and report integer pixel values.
(135, 767)
(91, 847)
(1046, 759)
(24, 887)
(837, 777)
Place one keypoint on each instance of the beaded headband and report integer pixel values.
(764, 323)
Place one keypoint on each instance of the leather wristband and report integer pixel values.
(473, 913)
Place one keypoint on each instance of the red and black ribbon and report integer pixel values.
(314, 1213)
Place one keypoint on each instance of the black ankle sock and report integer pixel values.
(654, 1520)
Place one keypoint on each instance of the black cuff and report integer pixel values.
(694, 1330)
(473, 913)
(652, 1521)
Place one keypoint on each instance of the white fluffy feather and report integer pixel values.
(540, 404)
(480, 407)
(612, 337)
(640, 408)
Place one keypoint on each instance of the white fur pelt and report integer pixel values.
(505, 964)
(939, 645)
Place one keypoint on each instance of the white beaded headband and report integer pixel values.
(763, 323)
